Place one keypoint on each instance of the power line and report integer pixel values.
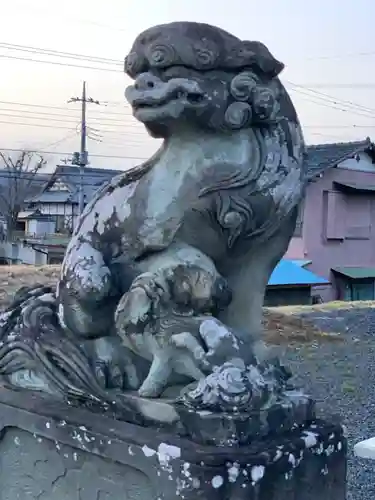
(45, 116)
(119, 63)
(36, 118)
(127, 111)
(63, 139)
(331, 98)
(327, 104)
(327, 101)
(135, 143)
(60, 127)
(27, 59)
(117, 132)
(25, 175)
(109, 60)
(116, 143)
(35, 125)
(42, 182)
(296, 88)
(58, 53)
(69, 153)
(45, 177)
(340, 85)
(96, 68)
(330, 104)
(51, 144)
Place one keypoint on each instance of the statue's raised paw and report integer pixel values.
(221, 193)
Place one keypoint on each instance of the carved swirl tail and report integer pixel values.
(31, 338)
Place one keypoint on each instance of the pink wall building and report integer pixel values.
(336, 227)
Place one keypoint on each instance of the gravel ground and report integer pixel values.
(341, 376)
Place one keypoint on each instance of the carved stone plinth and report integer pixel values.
(53, 451)
(153, 334)
(222, 429)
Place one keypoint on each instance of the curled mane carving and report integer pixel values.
(198, 46)
(250, 98)
(164, 277)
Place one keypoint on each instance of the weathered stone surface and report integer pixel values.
(43, 469)
(163, 280)
(162, 285)
(243, 428)
(149, 353)
(56, 452)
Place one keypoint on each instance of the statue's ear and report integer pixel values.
(252, 53)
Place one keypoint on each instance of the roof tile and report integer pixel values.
(321, 157)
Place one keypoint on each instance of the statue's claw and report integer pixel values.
(113, 366)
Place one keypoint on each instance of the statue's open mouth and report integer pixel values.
(150, 102)
(152, 98)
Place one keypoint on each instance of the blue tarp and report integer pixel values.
(288, 272)
(301, 262)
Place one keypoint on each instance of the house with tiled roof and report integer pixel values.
(59, 199)
(335, 232)
(15, 185)
(49, 215)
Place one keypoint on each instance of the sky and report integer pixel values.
(328, 47)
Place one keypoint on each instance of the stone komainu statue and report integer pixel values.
(217, 202)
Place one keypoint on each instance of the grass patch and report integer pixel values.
(326, 306)
(282, 324)
(14, 277)
(281, 328)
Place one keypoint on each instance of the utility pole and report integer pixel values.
(83, 154)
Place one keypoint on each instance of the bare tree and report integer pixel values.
(18, 182)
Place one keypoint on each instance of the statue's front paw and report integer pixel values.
(150, 390)
(86, 286)
(158, 376)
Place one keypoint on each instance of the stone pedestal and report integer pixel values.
(52, 451)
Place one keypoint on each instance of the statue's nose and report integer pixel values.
(146, 81)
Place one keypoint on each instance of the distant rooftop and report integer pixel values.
(93, 179)
(35, 182)
(356, 272)
(321, 157)
(69, 175)
(288, 272)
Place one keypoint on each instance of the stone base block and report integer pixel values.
(50, 450)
